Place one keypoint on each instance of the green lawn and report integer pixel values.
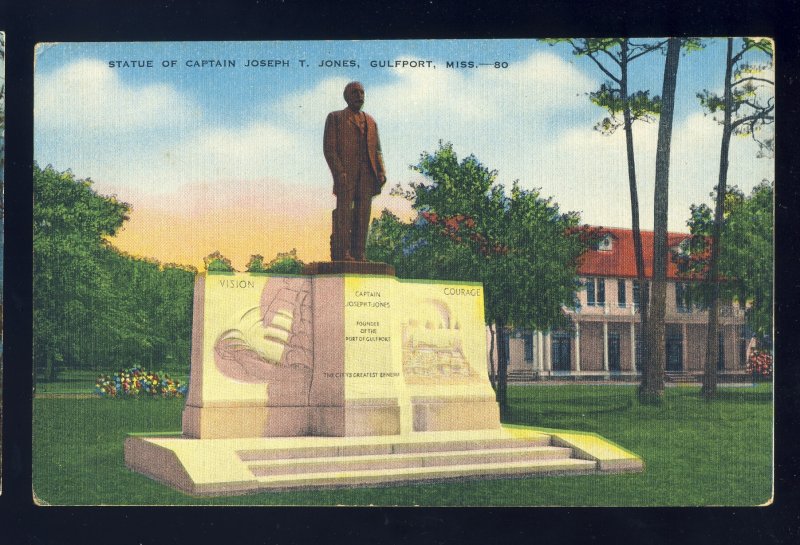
(695, 453)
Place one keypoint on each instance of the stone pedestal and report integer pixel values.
(332, 380)
(336, 355)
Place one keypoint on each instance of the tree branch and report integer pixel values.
(645, 49)
(766, 50)
(604, 69)
(752, 78)
(762, 115)
(754, 105)
(611, 56)
(736, 58)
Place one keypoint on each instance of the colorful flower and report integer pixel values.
(136, 381)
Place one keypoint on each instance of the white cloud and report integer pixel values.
(495, 113)
(89, 95)
(212, 155)
(587, 171)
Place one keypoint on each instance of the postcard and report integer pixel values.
(408, 272)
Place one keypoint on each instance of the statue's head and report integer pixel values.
(354, 96)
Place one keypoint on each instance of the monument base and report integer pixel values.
(353, 418)
(339, 379)
(234, 466)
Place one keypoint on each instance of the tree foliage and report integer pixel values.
(469, 227)
(746, 260)
(95, 307)
(285, 263)
(216, 262)
(613, 57)
(256, 264)
(751, 103)
(746, 108)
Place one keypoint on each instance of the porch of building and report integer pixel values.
(607, 351)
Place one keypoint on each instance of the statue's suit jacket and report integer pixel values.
(340, 145)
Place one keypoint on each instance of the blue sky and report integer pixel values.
(154, 135)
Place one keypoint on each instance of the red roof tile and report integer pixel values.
(620, 261)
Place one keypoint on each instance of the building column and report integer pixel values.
(605, 346)
(684, 347)
(548, 364)
(539, 351)
(577, 347)
(633, 346)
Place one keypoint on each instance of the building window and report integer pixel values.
(682, 298)
(605, 244)
(621, 293)
(527, 340)
(596, 292)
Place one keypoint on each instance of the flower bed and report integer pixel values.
(759, 364)
(134, 382)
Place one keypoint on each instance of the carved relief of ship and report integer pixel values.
(272, 341)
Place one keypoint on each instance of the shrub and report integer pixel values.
(134, 382)
(759, 364)
(256, 264)
(216, 262)
(285, 263)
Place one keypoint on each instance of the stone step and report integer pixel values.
(420, 445)
(231, 466)
(407, 460)
(437, 473)
(681, 376)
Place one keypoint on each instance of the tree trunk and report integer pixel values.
(709, 388)
(651, 390)
(502, 369)
(50, 370)
(47, 357)
(634, 194)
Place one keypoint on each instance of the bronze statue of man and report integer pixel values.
(353, 152)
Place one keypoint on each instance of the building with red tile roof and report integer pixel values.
(604, 340)
(615, 256)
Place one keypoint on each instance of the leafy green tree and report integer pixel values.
(746, 106)
(216, 262)
(285, 263)
(256, 264)
(518, 244)
(385, 239)
(746, 267)
(96, 307)
(69, 223)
